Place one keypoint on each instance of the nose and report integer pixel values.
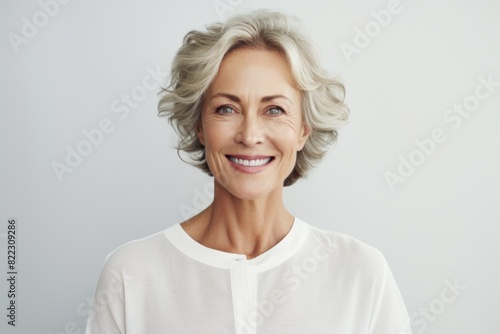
(250, 132)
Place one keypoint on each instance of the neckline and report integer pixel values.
(276, 255)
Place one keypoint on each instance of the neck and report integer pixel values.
(248, 227)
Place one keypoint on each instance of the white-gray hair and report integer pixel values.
(197, 62)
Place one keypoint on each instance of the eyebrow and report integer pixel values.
(264, 99)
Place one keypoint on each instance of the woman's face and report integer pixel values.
(251, 123)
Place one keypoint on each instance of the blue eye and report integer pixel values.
(275, 111)
(224, 110)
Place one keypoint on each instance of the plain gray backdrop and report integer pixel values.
(423, 86)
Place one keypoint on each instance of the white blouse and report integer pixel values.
(312, 281)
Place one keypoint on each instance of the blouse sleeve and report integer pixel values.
(390, 315)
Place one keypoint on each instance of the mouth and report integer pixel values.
(250, 161)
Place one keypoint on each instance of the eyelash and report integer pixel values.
(220, 108)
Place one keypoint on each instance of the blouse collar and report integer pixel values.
(278, 254)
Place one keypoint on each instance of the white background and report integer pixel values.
(440, 224)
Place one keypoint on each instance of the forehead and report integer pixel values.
(254, 71)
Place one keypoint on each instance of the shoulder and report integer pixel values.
(139, 253)
(363, 276)
(348, 253)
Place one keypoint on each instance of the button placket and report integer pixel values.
(244, 295)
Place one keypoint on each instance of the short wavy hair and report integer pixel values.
(197, 62)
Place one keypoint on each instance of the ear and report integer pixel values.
(200, 133)
(304, 133)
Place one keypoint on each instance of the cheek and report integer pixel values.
(286, 131)
(212, 138)
(216, 134)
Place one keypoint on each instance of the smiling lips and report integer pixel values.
(247, 162)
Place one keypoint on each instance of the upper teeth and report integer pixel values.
(256, 162)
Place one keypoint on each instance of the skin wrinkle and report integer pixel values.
(247, 215)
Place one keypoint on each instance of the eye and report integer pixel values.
(275, 111)
(224, 110)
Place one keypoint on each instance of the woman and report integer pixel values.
(254, 109)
